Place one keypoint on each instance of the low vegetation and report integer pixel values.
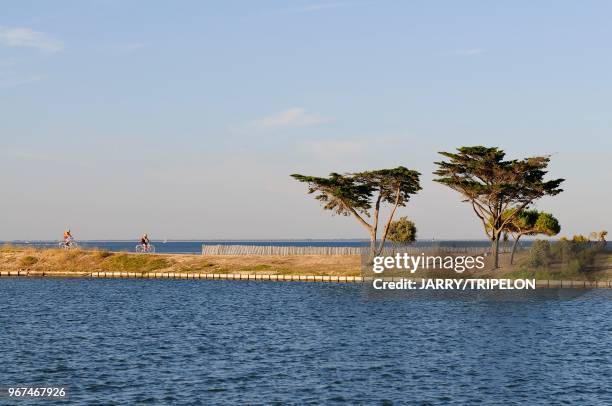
(577, 259)
(402, 232)
(81, 262)
(134, 263)
(28, 260)
(565, 259)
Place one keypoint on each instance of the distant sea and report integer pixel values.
(195, 246)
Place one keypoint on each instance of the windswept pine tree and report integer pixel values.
(493, 185)
(361, 195)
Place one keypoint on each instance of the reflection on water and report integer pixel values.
(180, 341)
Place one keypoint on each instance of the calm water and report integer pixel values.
(185, 247)
(212, 342)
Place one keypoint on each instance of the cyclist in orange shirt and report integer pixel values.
(68, 237)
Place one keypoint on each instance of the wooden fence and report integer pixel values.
(391, 251)
(310, 250)
(277, 250)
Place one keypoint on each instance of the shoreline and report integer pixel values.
(552, 284)
(28, 262)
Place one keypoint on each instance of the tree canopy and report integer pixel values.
(341, 194)
(493, 185)
(361, 194)
(530, 222)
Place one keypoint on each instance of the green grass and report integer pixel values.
(198, 267)
(256, 268)
(102, 254)
(134, 263)
(570, 271)
(242, 269)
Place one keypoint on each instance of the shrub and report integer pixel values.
(562, 250)
(102, 254)
(572, 268)
(402, 231)
(28, 261)
(135, 263)
(580, 238)
(539, 254)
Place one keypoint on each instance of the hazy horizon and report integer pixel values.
(186, 119)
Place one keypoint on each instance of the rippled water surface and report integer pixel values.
(211, 342)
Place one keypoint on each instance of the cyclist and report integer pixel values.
(144, 240)
(68, 238)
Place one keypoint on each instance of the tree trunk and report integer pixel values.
(386, 229)
(516, 240)
(372, 245)
(495, 251)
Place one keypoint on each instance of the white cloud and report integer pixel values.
(27, 38)
(468, 52)
(293, 117)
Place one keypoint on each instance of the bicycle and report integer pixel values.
(145, 249)
(71, 245)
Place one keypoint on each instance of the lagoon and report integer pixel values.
(188, 341)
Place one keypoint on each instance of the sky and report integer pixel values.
(185, 119)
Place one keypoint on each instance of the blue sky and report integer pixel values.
(184, 119)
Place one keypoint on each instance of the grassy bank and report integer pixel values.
(77, 262)
(81, 262)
